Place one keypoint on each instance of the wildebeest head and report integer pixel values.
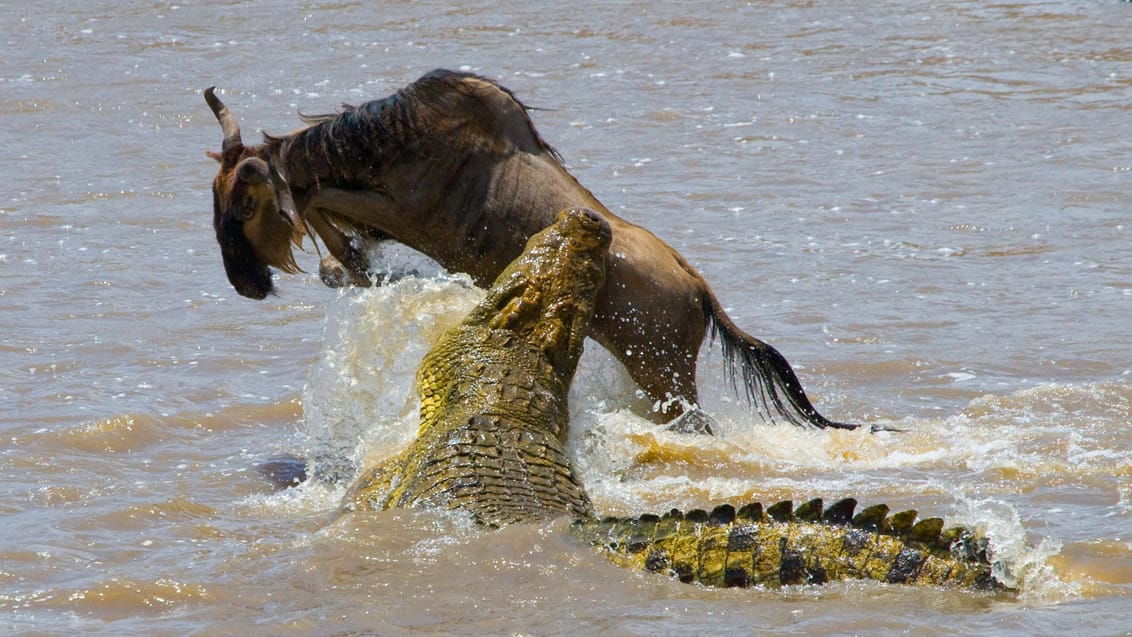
(253, 212)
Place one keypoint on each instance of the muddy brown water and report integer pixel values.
(923, 205)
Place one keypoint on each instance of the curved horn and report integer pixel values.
(227, 120)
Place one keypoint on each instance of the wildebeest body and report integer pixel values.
(452, 166)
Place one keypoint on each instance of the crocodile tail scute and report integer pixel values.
(784, 545)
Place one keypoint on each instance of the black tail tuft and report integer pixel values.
(768, 380)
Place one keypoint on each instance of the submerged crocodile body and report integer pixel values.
(493, 430)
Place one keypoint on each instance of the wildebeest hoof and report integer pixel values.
(336, 275)
(693, 421)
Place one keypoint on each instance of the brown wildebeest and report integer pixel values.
(452, 166)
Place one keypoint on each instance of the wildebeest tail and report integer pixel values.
(768, 380)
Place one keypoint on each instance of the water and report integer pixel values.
(923, 205)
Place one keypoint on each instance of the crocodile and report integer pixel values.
(491, 443)
(493, 416)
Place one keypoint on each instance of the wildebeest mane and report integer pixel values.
(354, 143)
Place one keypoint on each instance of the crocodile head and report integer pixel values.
(546, 296)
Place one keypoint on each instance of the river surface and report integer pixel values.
(926, 206)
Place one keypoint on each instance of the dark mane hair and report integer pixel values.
(359, 139)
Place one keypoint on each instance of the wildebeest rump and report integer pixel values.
(452, 166)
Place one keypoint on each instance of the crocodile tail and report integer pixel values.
(768, 379)
(782, 545)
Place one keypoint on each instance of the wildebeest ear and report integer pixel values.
(215, 155)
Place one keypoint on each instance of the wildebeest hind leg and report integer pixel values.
(666, 376)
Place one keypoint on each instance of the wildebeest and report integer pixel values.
(452, 166)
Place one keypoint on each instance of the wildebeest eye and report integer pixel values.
(252, 170)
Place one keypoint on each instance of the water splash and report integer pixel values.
(1018, 563)
(360, 406)
(360, 398)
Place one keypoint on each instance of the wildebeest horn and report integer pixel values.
(227, 120)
